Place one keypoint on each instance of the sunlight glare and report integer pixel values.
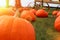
(3, 3)
(11, 2)
(25, 3)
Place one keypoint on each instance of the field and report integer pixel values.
(44, 28)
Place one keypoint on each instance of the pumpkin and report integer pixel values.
(42, 13)
(14, 28)
(58, 14)
(57, 23)
(54, 13)
(26, 14)
(6, 11)
(33, 11)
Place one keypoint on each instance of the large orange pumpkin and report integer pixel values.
(6, 11)
(57, 23)
(26, 14)
(42, 13)
(14, 28)
(54, 13)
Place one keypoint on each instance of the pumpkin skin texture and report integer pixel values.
(54, 13)
(26, 14)
(14, 28)
(22, 9)
(58, 14)
(57, 24)
(41, 13)
(33, 11)
(6, 11)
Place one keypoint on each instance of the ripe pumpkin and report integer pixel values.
(14, 28)
(57, 24)
(54, 13)
(33, 11)
(42, 13)
(6, 11)
(58, 14)
(26, 14)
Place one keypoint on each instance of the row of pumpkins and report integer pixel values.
(15, 25)
(26, 13)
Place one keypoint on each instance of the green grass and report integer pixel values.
(44, 28)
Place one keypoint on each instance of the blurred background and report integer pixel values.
(25, 3)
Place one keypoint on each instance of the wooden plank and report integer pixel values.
(48, 1)
(43, 0)
(51, 4)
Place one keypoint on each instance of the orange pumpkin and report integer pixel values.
(41, 13)
(54, 13)
(33, 11)
(57, 23)
(26, 14)
(6, 11)
(58, 14)
(14, 28)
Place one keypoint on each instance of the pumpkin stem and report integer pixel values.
(17, 13)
